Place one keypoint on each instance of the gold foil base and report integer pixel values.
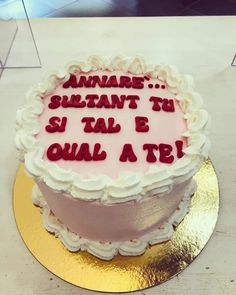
(122, 274)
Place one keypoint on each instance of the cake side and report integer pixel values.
(108, 250)
(128, 220)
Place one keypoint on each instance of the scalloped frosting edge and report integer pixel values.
(106, 251)
(159, 178)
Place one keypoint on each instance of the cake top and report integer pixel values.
(113, 130)
(124, 124)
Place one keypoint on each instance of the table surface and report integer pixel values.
(201, 46)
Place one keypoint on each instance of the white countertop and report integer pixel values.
(201, 46)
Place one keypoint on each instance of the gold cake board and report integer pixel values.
(122, 274)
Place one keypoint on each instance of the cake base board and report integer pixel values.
(122, 274)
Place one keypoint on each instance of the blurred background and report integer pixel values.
(106, 8)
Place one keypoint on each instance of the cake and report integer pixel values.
(113, 145)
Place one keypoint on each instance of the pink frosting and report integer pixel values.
(113, 222)
(164, 127)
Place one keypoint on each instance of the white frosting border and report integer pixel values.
(107, 251)
(159, 179)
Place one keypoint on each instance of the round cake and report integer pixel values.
(113, 145)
